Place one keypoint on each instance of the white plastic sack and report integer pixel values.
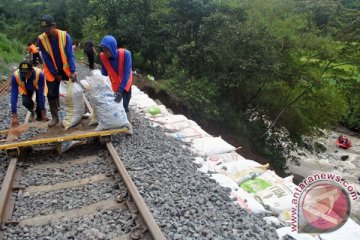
(350, 231)
(139, 98)
(225, 181)
(216, 162)
(146, 103)
(286, 231)
(110, 114)
(135, 90)
(190, 132)
(203, 166)
(208, 146)
(178, 126)
(225, 157)
(96, 72)
(241, 170)
(170, 119)
(246, 201)
(261, 182)
(277, 197)
(72, 105)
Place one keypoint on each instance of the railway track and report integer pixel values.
(5, 87)
(84, 194)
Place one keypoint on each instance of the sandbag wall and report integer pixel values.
(253, 186)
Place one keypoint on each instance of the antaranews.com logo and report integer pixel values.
(321, 203)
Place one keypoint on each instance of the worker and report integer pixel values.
(117, 64)
(26, 80)
(59, 61)
(90, 52)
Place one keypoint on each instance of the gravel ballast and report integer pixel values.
(186, 203)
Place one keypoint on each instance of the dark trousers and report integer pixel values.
(91, 59)
(53, 87)
(35, 57)
(126, 100)
(29, 103)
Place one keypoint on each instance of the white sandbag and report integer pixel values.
(135, 90)
(274, 221)
(146, 103)
(246, 201)
(138, 99)
(240, 171)
(110, 114)
(72, 105)
(215, 164)
(202, 164)
(285, 217)
(178, 126)
(226, 157)
(349, 231)
(286, 231)
(208, 146)
(96, 72)
(190, 132)
(225, 181)
(261, 182)
(170, 119)
(277, 197)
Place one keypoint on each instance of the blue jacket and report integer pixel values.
(55, 48)
(110, 43)
(29, 87)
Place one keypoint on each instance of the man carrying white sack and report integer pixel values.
(116, 63)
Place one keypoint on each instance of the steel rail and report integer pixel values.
(6, 188)
(4, 87)
(144, 211)
(136, 197)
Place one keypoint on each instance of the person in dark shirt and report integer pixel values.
(90, 52)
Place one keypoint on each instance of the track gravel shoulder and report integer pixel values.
(186, 203)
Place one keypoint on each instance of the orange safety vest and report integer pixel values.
(33, 49)
(44, 38)
(21, 84)
(116, 78)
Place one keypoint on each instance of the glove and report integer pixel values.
(118, 97)
(14, 120)
(43, 116)
(73, 77)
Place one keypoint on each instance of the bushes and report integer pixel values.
(11, 53)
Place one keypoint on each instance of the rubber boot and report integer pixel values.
(32, 115)
(130, 132)
(54, 110)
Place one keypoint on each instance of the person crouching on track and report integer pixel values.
(117, 64)
(26, 80)
(59, 61)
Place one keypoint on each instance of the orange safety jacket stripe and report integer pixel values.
(44, 38)
(116, 78)
(21, 84)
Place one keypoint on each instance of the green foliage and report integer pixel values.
(294, 64)
(11, 53)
